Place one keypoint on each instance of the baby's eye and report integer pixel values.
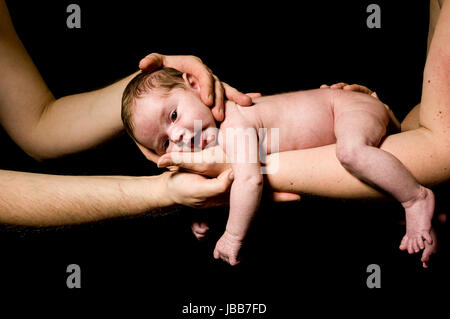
(173, 116)
(166, 144)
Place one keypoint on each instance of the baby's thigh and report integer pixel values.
(360, 119)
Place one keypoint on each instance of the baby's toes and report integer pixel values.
(410, 247)
(415, 246)
(403, 244)
(426, 235)
(420, 243)
(425, 258)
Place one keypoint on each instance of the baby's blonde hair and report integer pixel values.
(164, 80)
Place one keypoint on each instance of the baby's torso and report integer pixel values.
(302, 119)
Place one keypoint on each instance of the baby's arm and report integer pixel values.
(245, 192)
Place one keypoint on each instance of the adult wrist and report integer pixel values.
(148, 193)
(162, 193)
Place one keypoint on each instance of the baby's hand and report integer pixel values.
(227, 248)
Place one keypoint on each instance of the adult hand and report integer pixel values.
(212, 90)
(211, 162)
(197, 191)
(394, 124)
(350, 87)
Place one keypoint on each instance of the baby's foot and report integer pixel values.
(227, 249)
(429, 249)
(199, 229)
(419, 212)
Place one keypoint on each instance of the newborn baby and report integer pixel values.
(162, 112)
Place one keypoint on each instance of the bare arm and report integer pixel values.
(241, 147)
(425, 151)
(245, 196)
(411, 121)
(37, 199)
(42, 126)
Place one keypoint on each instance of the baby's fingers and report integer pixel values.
(216, 253)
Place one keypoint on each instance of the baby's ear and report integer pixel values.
(191, 81)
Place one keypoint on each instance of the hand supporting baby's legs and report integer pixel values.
(359, 129)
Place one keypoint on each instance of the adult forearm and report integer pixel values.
(317, 171)
(77, 122)
(37, 199)
(412, 119)
(42, 126)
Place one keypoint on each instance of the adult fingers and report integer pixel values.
(339, 85)
(285, 197)
(184, 63)
(216, 186)
(254, 95)
(210, 161)
(236, 96)
(218, 109)
(190, 161)
(193, 65)
(358, 88)
(151, 62)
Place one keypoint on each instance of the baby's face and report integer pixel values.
(165, 124)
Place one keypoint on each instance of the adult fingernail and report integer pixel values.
(210, 99)
(231, 176)
(163, 163)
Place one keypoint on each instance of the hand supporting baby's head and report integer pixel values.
(163, 112)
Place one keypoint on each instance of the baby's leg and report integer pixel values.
(359, 127)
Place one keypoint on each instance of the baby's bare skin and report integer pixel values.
(356, 122)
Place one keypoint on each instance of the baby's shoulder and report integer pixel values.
(237, 117)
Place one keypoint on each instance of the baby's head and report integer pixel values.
(159, 110)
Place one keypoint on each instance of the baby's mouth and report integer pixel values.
(201, 140)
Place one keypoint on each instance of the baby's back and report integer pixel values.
(304, 119)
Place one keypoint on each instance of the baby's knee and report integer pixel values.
(349, 154)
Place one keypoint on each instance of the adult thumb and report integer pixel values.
(218, 185)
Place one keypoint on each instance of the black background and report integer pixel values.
(297, 254)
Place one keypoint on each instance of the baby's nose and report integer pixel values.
(180, 135)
